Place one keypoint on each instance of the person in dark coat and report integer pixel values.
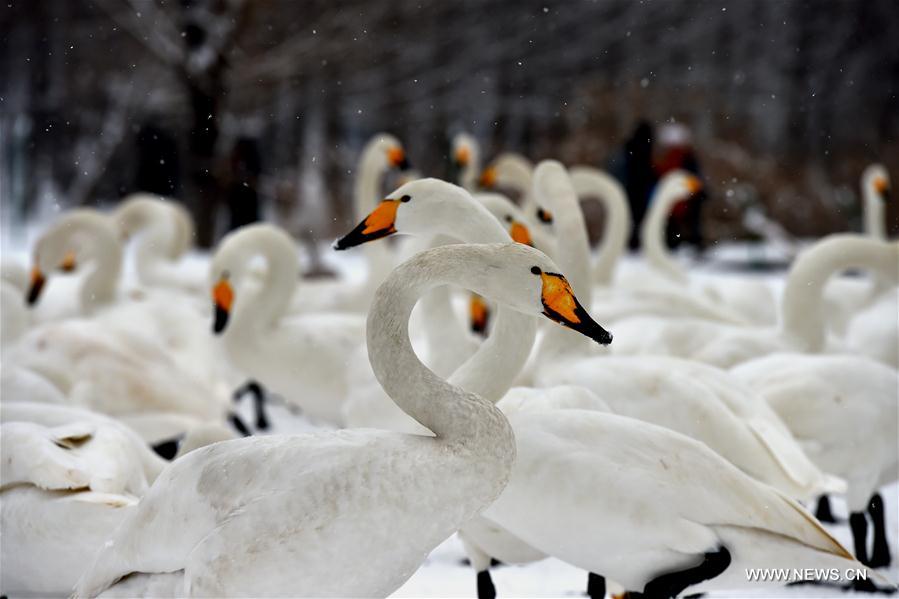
(639, 175)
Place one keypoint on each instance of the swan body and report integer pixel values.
(657, 499)
(826, 401)
(868, 335)
(705, 404)
(64, 490)
(301, 357)
(388, 485)
(802, 328)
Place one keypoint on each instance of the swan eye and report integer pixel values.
(536, 270)
(225, 275)
(508, 218)
(405, 199)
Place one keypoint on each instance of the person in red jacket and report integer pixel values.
(685, 221)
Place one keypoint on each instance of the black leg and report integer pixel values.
(486, 590)
(859, 526)
(823, 512)
(880, 550)
(238, 424)
(596, 586)
(673, 584)
(259, 396)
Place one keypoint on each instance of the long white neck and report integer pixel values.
(469, 176)
(258, 309)
(874, 212)
(366, 196)
(802, 306)
(492, 369)
(592, 182)
(553, 190)
(455, 416)
(652, 232)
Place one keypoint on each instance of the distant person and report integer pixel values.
(157, 162)
(639, 176)
(243, 194)
(685, 221)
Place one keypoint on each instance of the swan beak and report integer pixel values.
(479, 312)
(222, 298)
(68, 263)
(378, 224)
(37, 285)
(397, 158)
(560, 305)
(463, 155)
(882, 187)
(694, 185)
(487, 180)
(520, 233)
(544, 216)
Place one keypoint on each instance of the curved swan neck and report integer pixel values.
(157, 237)
(802, 305)
(454, 415)
(94, 237)
(263, 307)
(652, 232)
(591, 182)
(491, 371)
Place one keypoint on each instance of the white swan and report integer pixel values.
(466, 153)
(163, 331)
(845, 411)
(64, 490)
(436, 208)
(875, 194)
(318, 515)
(650, 508)
(802, 327)
(164, 233)
(302, 357)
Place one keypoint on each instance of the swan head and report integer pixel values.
(508, 214)
(677, 186)
(385, 151)
(465, 150)
(877, 179)
(428, 207)
(233, 264)
(525, 279)
(507, 170)
(63, 246)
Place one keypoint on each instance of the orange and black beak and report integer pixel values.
(222, 299)
(479, 313)
(68, 263)
(487, 180)
(396, 156)
(544, 216)
(560, 305)
(380, 223)
(883, 188)
(694, 185)
(519, 233)
(462, 156)
(37, 285)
